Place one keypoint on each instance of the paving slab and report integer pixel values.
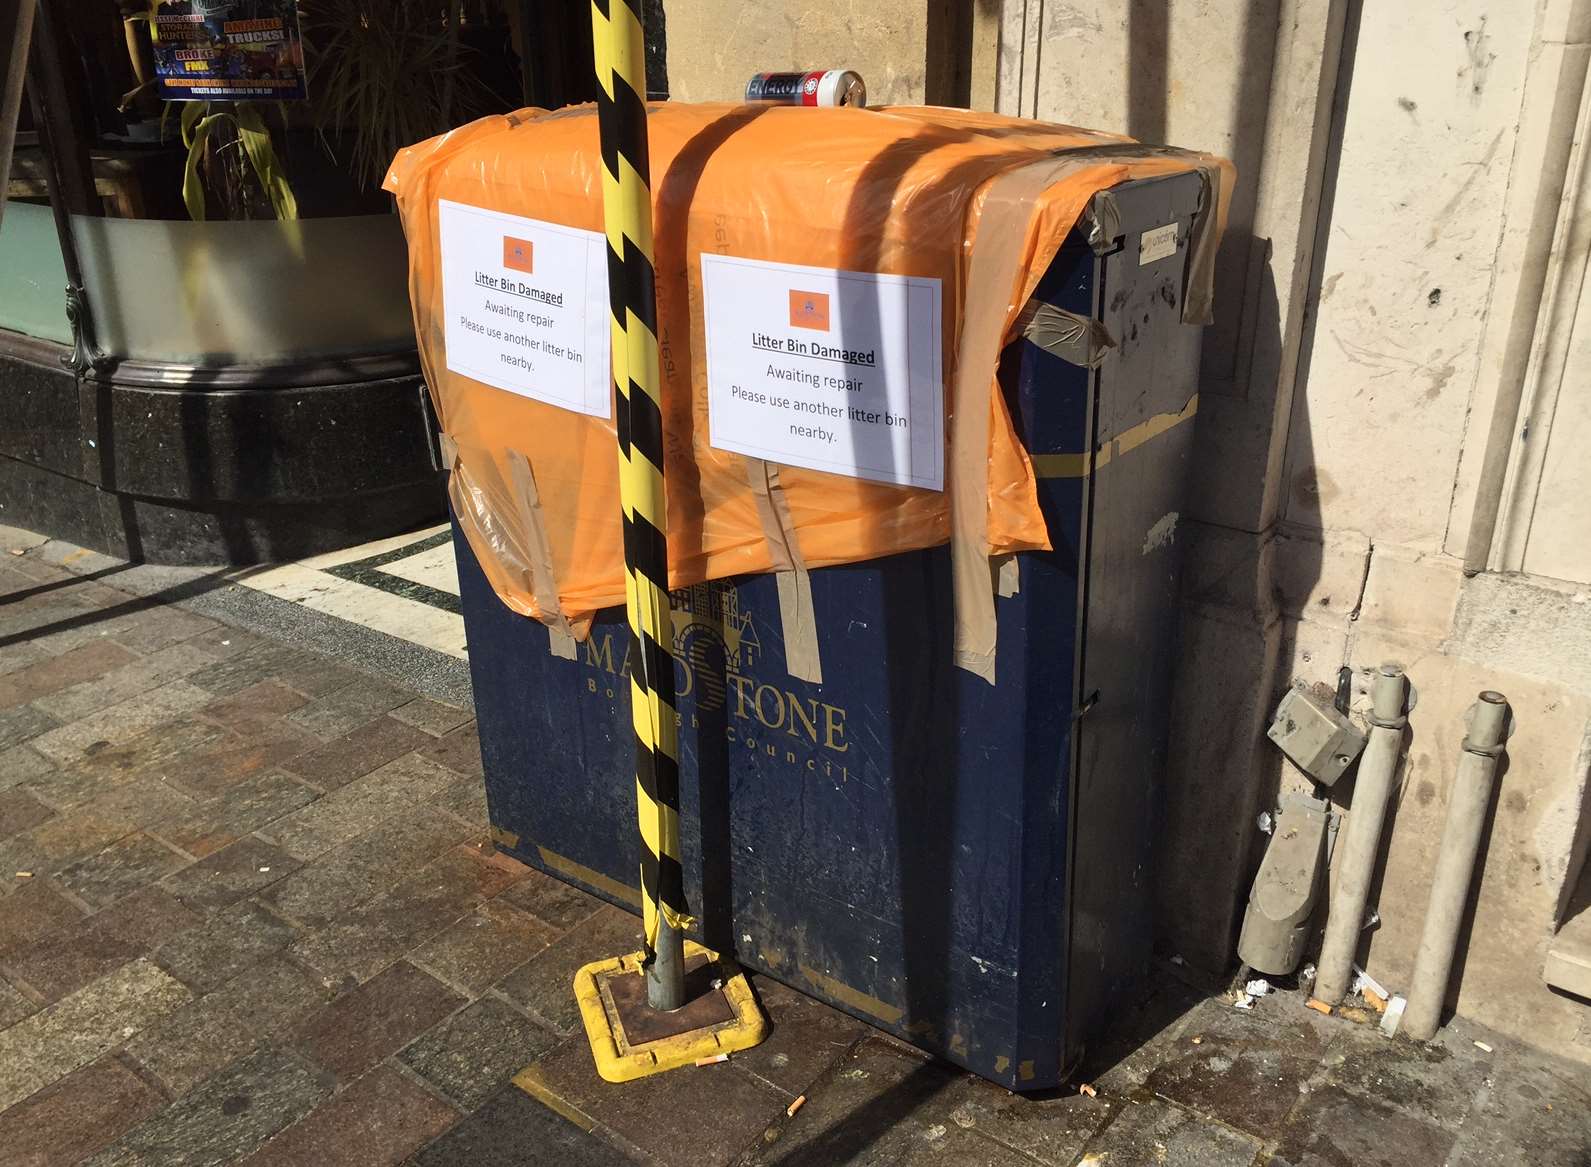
(130, 863)
(377, 1019)
(1052, 1128)
(237, 756)
(514, 1130)
(361, 806)
(1248, 1066)
(43, 849)
(465, 800)
(260, 660)
(160, 626)
(234, 938)
(32, 912)
(65, 1123)
(470, 1055)
(14, 1005)
(77, 1029)
(80, 951)
(434, 717)
(359, 751)
(808, 1038)
(19, 810)
(362, 868)
(136, 676)
(235, 872)
(165, 752)
(663, 1114)
(23, 723)
(1332, 1127)
(188, 1045)
(368, 938)
(213, 823)
(875, 1107)
(1155, 1131)
(544, 985)
(249, 709)
(458, 750)
(376, 1122)
(226, 1118)
(553, 900)
(120, 722)
(1435, 1081)
(1531, 1108)
(52, 674)
(476, 951)
(347, 707)
(21, 764)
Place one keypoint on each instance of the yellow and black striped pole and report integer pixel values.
(627, 217)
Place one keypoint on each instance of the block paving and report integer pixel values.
(250, 913)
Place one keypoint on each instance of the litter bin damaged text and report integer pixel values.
(526, 306)
(829, 370)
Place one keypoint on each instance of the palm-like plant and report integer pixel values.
(384, 74)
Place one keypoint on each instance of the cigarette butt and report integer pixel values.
(789, 1111)
(1374, 999)
(1318, 1006)
(1481, 1045)
(712, 1060)
(24, 875)
(1088, 1088)
(1198, 1039)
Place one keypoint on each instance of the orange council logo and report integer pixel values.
(809, 310)
(516, 254)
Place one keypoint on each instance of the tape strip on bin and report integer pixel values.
(796, 613)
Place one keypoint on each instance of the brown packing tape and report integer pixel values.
(997, 252)
(1082, 340)
(1081, 465)
(1198, 277)
(560, 636)
(1008, 576)
(1101, 222)
(796, 613)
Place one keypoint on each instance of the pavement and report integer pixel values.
(250, 912)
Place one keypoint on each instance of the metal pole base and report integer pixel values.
(630, 1038)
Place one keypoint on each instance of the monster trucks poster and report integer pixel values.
(228, 50)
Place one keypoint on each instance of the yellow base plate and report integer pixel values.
(619, 1061)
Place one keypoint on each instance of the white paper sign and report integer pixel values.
(526, 306)
(830, 370)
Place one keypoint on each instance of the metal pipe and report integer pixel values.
(1455, 864)
(1542, 233)
(627, 215)
(1350, 885)
(665, 972)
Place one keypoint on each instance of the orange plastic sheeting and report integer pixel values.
(894, 191)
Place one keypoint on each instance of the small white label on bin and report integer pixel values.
(1157, 244)
(831, 370)
(526, 306)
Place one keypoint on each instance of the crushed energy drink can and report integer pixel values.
(818, 87)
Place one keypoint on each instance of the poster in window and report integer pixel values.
(228, 50)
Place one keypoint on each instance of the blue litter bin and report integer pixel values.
(968, 866)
